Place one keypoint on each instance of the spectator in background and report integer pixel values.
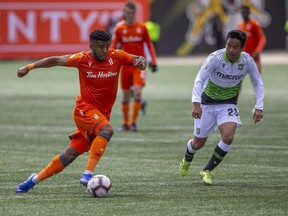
(256, 39)
(217, 26)
(154, 31)
(132, 36)
(112, 23)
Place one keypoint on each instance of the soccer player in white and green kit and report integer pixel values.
(214, 98)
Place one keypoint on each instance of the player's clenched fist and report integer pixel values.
(23, 71)
(140, 62)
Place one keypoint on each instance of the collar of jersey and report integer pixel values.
(227, 60)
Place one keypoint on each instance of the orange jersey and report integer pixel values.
(132, 39)
(256, 39)
(99, 80)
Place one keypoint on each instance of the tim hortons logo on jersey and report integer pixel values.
(101, 74)
(131, 39)
(229, 76)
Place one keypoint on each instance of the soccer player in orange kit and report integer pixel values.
(98, 75)
(256, 39)
(132, 37)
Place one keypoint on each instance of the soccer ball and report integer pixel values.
(99, 186)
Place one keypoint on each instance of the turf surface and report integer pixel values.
(35, 119)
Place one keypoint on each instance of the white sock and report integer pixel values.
(88, 172)
(35, 179)
(225, 147)
(189, 146)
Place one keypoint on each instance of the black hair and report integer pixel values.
(240, 35)
(99, 35)
(245, 7)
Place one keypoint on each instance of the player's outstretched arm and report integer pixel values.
(43, 63)
(139, 62)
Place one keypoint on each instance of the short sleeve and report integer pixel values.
(74, 60)
(125, 57)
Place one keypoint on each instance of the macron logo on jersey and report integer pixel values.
(101, 74)
(228, 76)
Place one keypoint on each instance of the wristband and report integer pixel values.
(31, 66)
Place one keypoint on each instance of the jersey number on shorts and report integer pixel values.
(233, 112)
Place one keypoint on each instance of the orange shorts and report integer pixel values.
(88, 120)
(131, 76)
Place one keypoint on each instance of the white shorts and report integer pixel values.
(215, 115)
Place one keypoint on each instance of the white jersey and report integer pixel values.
(218, 80)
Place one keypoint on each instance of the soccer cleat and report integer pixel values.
(133, 127)
(125, 127)
(184, 167)
(25, 186)
(206, 176)
(143, 107)
(85, 178)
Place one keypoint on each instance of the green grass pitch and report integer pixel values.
(36, 117)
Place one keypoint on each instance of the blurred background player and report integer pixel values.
(132, 36)
(98, 75)
(256, 39)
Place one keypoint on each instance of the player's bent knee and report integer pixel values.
(107, 129)
(106, 132)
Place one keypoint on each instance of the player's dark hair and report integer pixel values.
(245, 7)
(99, 35)
(130, 5)
(240, 35)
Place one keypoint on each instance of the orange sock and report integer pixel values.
(125, 110)
(53, 168)
(136, 109)
(97, 150)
